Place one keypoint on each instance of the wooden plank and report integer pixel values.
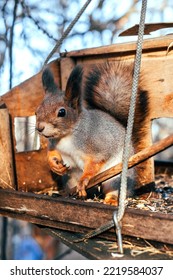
(7, 179)
(66, 66)
(23, 99)
(164, 167)
(160, 83)
(78, 216)
(99, 249)
(33, 172)
(149, 27)
(122, 49)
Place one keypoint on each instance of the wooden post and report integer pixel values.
(66, 66)
(7, 180)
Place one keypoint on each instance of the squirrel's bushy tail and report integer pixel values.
(108, 87)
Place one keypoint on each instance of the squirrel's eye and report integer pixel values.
(61, 112)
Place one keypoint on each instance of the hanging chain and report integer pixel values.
(66, 32)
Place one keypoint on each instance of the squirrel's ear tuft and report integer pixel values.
(73, 90)
(48, 81)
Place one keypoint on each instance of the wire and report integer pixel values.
(66, 32)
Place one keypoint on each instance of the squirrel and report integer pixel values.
(86, 124)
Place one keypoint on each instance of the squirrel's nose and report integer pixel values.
(40, 127)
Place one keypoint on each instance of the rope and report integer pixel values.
(130, 122)
(66, 32)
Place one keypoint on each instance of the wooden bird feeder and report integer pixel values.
(24, 175)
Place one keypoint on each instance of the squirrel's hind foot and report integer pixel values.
(81, 188)
(111, 199)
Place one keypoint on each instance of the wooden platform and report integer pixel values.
(67, 220)
(79, 216)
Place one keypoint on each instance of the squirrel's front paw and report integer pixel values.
(56, 163)
(58, 167)
(81, 188)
